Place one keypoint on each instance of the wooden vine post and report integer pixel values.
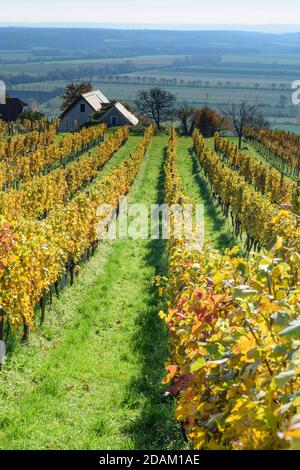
(43, 308)
(26, 332)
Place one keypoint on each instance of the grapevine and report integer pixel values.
(234, 342)
(279, 147)
(36, 197)
(19, 144)
(16, 167)
(269, 182)
(250, 211)
(42, 251)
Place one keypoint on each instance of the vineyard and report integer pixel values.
(234, 324)
(280, 148)
(148, 343)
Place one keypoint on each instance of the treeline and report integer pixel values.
(203, 59)
(177, 82)
(75, 73)
(114, 73)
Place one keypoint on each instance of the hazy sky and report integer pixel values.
(152, 11)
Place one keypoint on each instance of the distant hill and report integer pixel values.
(119, 43)
(262, 28)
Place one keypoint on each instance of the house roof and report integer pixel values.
(131, 117)
(11, 109)
(94, 98)
(121, 108)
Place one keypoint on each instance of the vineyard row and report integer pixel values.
(34, 255)
(280, 148)
(234, 341)
(250, 211)
(43, 160)
(36, 197)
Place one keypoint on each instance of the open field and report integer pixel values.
(261, 79)
(205, 68)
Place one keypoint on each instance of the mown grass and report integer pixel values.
(250, 148)
(218, 231)
(122, 154)
(91, 377)
(247, 147)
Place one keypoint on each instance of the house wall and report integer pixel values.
(74, 118)
(10, 111)
(114, 112)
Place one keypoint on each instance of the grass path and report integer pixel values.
(120, 155)
(91, 378)
(254, 152)
(217, 229)
(246, 146)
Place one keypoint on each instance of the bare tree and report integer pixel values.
(259, 122)
(156, 104)
(240, 117)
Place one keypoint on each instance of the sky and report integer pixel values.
(179, 12)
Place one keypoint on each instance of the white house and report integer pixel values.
(111, 113)
(79, 112)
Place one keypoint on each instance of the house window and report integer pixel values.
(82, 108)
(114, 120)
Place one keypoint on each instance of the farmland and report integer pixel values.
(198, 73)
(122, 330)
(97, 349)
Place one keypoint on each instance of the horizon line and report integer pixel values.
(139, 24)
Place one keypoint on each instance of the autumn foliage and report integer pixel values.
(207, 121)
(41, 194)
(251, 212)
(279, 147)
(234, 342)
(42, 251)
